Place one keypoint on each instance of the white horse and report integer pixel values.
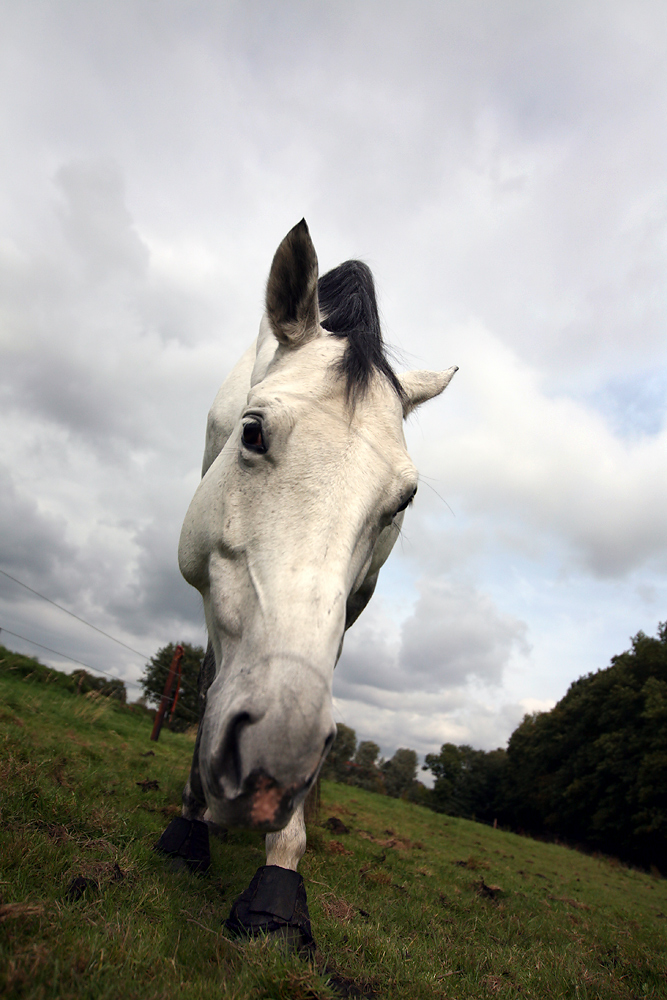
(305, 480)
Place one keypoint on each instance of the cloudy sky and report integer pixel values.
(502, 167)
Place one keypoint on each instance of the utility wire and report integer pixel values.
(58, 653)
(165, 670)
(81, 664)
(72, 615)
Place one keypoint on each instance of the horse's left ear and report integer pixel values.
(291, 291)
(422, 385)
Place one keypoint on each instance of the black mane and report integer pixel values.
(349, 309)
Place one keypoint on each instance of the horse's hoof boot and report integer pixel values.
(274, 904)
(186, 841)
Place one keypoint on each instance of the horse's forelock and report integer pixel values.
(348, 305)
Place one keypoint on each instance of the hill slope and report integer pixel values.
(407, 904)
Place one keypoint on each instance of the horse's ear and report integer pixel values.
(291, 291)
(422, 385)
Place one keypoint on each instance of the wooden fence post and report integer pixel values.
(166, 695)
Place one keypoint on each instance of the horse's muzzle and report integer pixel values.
(262, 804)
(257, 765)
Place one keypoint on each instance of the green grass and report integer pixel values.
(408, 904)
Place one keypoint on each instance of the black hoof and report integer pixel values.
(274, 904)
(185, 841)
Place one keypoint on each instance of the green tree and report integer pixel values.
(594, 769)
(364, 772)
(109, 687)
(155, 676)
(466, 781)
(336, 766)
(400, 773)
(420, 794)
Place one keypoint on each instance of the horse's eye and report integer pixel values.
(251, 435)
(406, 502)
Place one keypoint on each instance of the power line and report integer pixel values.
(144, 656)
(36, 592)
(71, 658)
(57, 653)
(72, 615)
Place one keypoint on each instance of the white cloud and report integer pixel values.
(436, 676)
(452, 635)
(455, 634)
(546, 465)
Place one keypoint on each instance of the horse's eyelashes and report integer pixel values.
(252, 436)
(406, 502)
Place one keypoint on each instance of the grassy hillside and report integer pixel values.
(407, 904)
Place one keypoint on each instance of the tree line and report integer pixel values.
(592, 771)
(362, 766)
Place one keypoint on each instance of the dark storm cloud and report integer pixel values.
(91, 347)
(158, 596)
(32, 543)
(454, 635)
(97, 224)
(71, 305)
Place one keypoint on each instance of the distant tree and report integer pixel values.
(364, 771)
(110, 687)
(79, 681)
(155, 676)
(400, 772)
(336, 766)
(594, 769)
(420, 794)
(466, 781)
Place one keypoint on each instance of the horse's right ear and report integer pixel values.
(291, 291)
(422, 385)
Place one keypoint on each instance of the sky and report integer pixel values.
(503, 170)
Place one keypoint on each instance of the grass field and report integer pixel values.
(408, 904)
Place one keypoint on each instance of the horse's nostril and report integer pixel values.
(229, 761)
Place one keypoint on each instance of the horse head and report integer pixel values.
(306, 478)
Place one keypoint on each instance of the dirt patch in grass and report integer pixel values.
(338, 908)
(335, 847)
(473, 863)
(491, 892)
(394, 842)
(346, 986)
(335, 825)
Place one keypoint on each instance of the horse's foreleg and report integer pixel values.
(286, 847)
(186, 838)
(275, 901)
(193, 799)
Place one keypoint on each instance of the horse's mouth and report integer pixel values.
(262, 804)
